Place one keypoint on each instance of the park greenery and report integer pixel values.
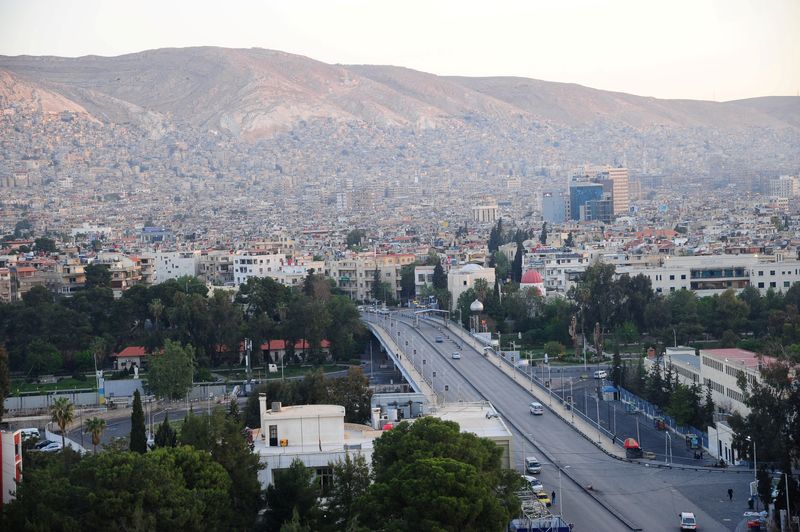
(202, 477)
(47, 334)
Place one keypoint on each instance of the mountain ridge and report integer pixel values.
(254, 93)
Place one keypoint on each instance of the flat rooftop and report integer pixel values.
(480, 419)
(742, 357)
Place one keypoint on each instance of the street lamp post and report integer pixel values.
(560, 493)
(755, 470)
(571, 401)
(667, 447)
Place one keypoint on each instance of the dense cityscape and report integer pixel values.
(242, 289)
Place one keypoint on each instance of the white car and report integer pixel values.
(51, 447)
(457, 356)
(688, 522)
(536, 409)
(601, 374)
(533, 483)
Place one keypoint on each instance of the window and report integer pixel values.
(273, 435)
(671, 277)
(324, 479)
(773, 284)
(658, 290)
(465, 283)
(761, 285)
(761, 273)
(786, 284)
(772, 272)
(683, 276)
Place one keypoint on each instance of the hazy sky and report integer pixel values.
(702, 49)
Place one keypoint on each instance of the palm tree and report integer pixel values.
(94, 426)
(156, 309)
(63, 413)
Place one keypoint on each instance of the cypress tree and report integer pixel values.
(166, 435)
(138, 432)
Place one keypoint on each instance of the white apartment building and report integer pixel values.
(459, 280)
(786, 186)
(713, 274)
(160, 266)
(560, 271)
(278, 266)
(248, 264)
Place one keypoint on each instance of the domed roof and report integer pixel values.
(531, 277)
(470, 268)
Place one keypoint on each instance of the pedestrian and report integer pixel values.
(553, 497)
(730, 494)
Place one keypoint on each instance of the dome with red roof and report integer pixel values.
(531, 277)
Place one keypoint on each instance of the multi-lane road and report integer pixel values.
(623, 495)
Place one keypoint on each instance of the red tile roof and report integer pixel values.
(131, 351)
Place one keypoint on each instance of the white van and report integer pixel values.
(29, 434)
(601, 374)
(536, 409)
(532, 465)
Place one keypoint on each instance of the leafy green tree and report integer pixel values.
(353, 393)
(496, 236)
(170, 374)
(439, 277)
(554, 349)
(165, 434)
(355, 237)
(441, 463)
(351, 478)
(223, 438)
(138, 431)
(407, 281)
(233, 412)
(344, 328)
(683, 405)
(501, 265)
(292, 490)
(45, 245)
(97, 275)
(62, 413)
(169, 489)
(543, 234)
(94, 426)
(570, 241)
(43, 358)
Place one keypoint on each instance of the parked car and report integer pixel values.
(688, 521)
(43, 443)
(51, 447)
(29, 434)
(456, 355)
(544, 498)
(534, 483)
(536, 409)
(601, 374)
(439, 339)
